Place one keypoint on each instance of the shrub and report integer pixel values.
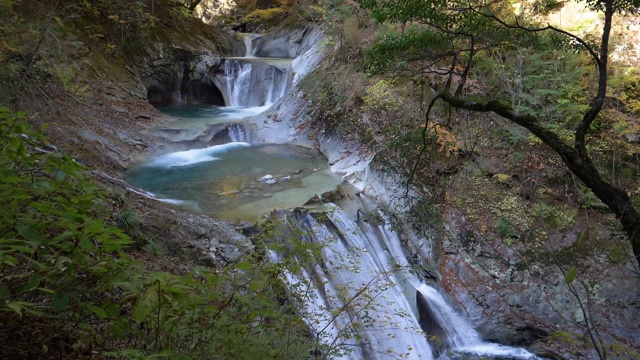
(69, 289)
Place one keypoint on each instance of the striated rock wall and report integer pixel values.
(181, 76)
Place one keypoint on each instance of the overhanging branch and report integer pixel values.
(517, 26)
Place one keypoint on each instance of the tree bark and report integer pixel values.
(575, 157)
(194, 4)
(615, 198)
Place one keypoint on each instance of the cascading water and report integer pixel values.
(363, 300)
(254, 83)
(248, 44)
(226, 183)
(238, 82)
(359, 305)
(237, 133)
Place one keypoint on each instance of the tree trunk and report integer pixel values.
(615, 198)
(194, 4)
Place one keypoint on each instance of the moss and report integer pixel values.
(268, 17)
(380, 96)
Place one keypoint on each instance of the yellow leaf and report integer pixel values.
(503, 178)
(59, 22)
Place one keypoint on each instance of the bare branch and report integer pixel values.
(517, 26)
(424, 142)
(467, 69)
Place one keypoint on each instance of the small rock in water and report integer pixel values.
(286, 178)
(229, 192)
(271, 181)
(316, 169)
(266, 178)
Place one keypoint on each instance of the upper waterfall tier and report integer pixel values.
(250, 51)
(252, 81)
(255, 82)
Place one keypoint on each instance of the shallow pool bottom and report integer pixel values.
(224, 180)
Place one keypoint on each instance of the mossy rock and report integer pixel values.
(267, 17)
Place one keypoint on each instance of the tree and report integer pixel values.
(191, 5)
(448, 37)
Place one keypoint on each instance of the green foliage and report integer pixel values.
(628, 6)
(571, 274)
(552, 85)
(127, 219)
(625, 85)
(119, 23)
(64, 276)
(508, 136)
(392, 49)
(439, 31)
(506, 230)
(589, 200)
(380, 97)
(53, 243)
(554, 217)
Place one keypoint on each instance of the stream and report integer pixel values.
(362, 295)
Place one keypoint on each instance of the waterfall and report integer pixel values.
(248, 44)
(362, 298)
(356, 294)
(439, 319)
(237, 133)
(238, 81)
(177, 94)
(254, 83)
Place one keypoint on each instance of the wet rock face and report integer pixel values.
(514, 300)
(287, 43)
(435, 333)
(180, 76)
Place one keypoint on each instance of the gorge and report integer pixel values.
(205, 193)
(365, 299)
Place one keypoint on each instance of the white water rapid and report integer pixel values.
(361, 295)
(194, 156)
(253, 81)
(248, 44)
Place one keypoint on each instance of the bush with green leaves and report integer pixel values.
(119, 23)
(68, 287)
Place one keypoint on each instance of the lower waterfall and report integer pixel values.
(362, 299)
